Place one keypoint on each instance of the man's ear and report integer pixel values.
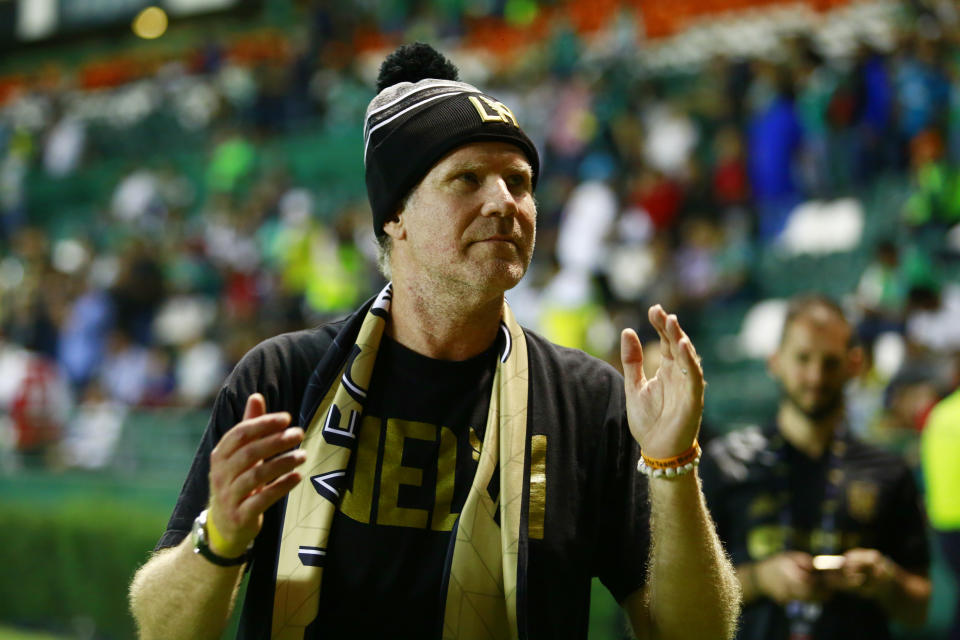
(395, 227)
(773, 364)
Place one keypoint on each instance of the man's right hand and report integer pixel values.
(788, 576)
(251, 468)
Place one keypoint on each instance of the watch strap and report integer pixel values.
(202, 547)
(207, 552)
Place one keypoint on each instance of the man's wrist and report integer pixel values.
(221, 555)
(218, 544)
(677, 465)
(749, 573)
(888, 587)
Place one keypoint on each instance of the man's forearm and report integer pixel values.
(178, 595)
(749, 584)
(693, 591)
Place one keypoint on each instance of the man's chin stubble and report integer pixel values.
(816, 413)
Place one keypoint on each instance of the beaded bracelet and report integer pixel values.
(670, 467)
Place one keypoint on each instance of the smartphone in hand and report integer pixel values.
(828, 563)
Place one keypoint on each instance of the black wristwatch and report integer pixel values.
(201, 546)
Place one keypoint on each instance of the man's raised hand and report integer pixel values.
(251, 468)
(664, 412)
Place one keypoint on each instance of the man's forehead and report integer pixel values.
(477, 154)
(818, 330)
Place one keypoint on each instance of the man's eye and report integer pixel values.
(469, 177)
(518, 181)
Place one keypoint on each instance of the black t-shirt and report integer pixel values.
(594, 510)
(394, 547)
(879, 508)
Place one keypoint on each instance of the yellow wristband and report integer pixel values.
(218, 543)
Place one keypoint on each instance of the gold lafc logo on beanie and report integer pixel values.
(501, 112)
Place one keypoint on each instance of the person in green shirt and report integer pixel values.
(940, 451)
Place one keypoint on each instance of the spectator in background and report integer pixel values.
(126, 369)
(94, 430)
(15, 149)
(952, 69)
(696, 262)
(588, 217)
(803, 489)
(83, 335)
(32, 310)
(232, 162)
(34, 405)
(656, 194)
(876, 106)
(816, 83)
(935, 201)
(139, 291)
(670, 137)
(881, 293)
(573, 125)
(921, 88)
(199, 372)
(774, 138)
(940, 451)
(64, 146)
(731, 187)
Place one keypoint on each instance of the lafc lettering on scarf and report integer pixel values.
(387, 481)
(500, 112)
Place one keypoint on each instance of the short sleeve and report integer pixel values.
(624, 532)
(905, 526)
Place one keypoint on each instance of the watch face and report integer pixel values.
(197, 533)
(199, 536)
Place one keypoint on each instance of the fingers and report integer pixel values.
(263, 473)
(803, 561)
(675, 344)
(249, 430)
(658, 318)
(253, 458)
(259, 502)
(866, 568)
(248, 457)
(631, 357)
(668, 328)
(256, 406)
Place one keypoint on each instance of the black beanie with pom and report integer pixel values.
(420, 113)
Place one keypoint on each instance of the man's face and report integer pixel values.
(470, 222)
(814, 362)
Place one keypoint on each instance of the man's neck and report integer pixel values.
(808, 435)
(443, 325)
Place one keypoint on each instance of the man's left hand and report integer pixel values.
(664, 412)
(865, 572)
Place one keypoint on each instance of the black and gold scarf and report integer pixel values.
(482, 568)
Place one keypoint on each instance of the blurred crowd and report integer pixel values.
(656, 187)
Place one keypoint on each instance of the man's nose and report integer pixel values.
(815, 374)
(498, 199)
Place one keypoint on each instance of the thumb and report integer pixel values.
(256, 406)
(631, 357)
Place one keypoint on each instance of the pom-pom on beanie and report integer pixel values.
(422, 112)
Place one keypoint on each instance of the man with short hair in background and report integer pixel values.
(826, 532)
